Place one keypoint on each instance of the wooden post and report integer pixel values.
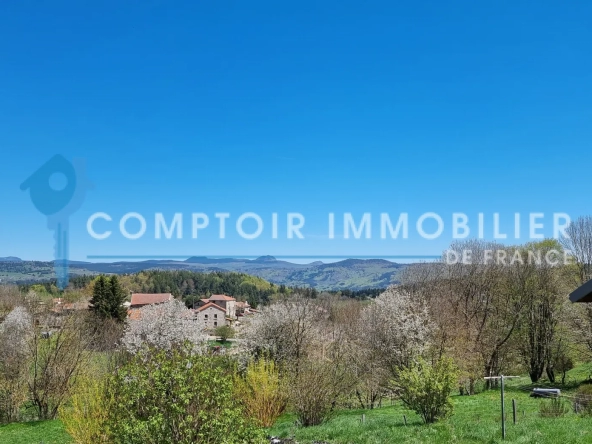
(363, 418)
(405, 419)
(514, 410)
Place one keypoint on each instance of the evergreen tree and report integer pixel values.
(99, 298)
(108, 297)
(116, 299)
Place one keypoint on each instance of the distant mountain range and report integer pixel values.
(353, 274)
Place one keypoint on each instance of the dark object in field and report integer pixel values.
(545, 393)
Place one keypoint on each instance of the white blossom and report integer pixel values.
(283, 329)
(16, 329)
(163, 326)
(398, 324)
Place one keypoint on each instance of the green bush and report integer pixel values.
(224, 332)
(553, 408)
(425, 388)
(176, 396)
(85, 416)
(263, 391)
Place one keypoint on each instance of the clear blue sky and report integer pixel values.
(310, 107)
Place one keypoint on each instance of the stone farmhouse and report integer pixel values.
(215, 311)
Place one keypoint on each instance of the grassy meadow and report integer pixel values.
(476, 419)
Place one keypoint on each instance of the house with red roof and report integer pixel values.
(140, 300)
(211, 316)
(228, 303)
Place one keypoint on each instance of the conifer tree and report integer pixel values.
(99, 298)
(108, 297)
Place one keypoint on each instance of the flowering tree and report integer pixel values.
(397, 327)
(284, 330)
(162, 326)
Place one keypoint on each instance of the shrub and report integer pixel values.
(56, 362)
(86, 415)
(315, 388)
(426, 388)
(553, 408)
(582, 401)
(176, 396)
(224, 332)
(262, 391)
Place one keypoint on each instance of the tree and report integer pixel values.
(316, 387)
(108, 298)
(579, 243)
(116, 299)
(55, 364)
(15, 333)
(426, 388)
(539, 282)
(397, 328)
(163, 326)
(224, 332)
(284, 330)
(176, 396)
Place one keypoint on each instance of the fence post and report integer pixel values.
(514, 410)
(405, 419)
(503, 410)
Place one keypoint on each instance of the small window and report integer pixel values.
(215, 316)
(206, 316)
(215, 324)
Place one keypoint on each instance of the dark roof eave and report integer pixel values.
(582, 293)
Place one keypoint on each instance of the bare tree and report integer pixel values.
(15, 332)
(10, 298)
(579, 244)
(55, 363)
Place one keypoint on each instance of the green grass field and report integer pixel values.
(46, 432)
(476, 419)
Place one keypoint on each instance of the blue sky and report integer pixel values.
(310, 107)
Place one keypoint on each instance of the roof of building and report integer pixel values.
(208, 305)
(221, 297)
(242, 305)
(582, 293)
(150, 298)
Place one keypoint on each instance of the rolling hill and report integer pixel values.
(353, 274)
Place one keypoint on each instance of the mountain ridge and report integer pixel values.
(352, 274)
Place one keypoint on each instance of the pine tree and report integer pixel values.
(108, 297)
(116, 299)
(99, 298)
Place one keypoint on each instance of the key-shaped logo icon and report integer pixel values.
(58, 204)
